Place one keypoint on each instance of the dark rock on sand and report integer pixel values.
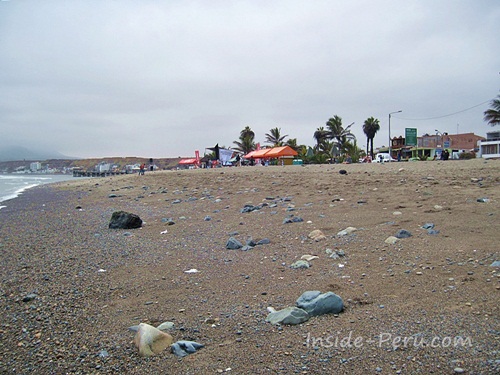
(250, 208)
(29, 297)
(294, 219)
(124, 220)
(251, 242)
(233, 244)
(403, 233)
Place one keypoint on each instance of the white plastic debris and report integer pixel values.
(192, 270)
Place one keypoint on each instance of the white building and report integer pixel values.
(490, 148)
(103, 167)
(35, 166)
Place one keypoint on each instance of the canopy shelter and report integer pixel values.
(258, 154)
(278, 152)
(275, 152)
(188, 161)
(249, 155)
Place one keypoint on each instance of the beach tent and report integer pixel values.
(187, 161)
(249, 155)
(258, 154)
(278, 152)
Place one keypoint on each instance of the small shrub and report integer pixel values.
(467, 155)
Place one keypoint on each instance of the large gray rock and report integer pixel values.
(316, 303)
(233, 244)
(124, 220)
(289, 315)
(183, 348)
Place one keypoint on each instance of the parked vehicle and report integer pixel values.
(383, 158)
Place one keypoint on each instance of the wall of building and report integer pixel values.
(465, 141)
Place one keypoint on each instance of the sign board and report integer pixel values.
(446, 144)
(411, 136)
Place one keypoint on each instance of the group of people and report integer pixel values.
(445, 154)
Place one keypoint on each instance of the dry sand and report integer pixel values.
(91, 283)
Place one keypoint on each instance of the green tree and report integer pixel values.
(328, 148)
(352, 149)
(319, 158)
(247, 132)
(292, 142)
(320, 135)
(302, 151)
(275, 138)
(492, 115)
(246, 142)
(370, 128)
(338, 133)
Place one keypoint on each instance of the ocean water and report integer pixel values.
(12, 185)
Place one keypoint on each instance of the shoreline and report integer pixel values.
(92, 283)
(42, 179)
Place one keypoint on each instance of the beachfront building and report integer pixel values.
(35, 166)
(103, 167)
(490, 147)
(431, 146)
(454, 143)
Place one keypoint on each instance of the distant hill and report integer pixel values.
(14, 153)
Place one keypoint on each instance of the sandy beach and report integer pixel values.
(429, 303)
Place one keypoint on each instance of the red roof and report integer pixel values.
(187, 161)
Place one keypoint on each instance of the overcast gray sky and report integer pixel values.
(99, 78)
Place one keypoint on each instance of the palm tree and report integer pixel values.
(370, 128)
(244, 145)
(302, 151)
(328, 148)
(492, 115)
(337, 132)
(247, 132)
(352, 149)
(275, 138)
(292, 142)
(320, 135)
(246, 142)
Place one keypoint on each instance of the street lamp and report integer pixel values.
(438, 133)
(439, 142)
(390, 129)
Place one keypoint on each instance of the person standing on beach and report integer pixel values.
(141, 169)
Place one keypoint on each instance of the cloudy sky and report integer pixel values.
(148, 78)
